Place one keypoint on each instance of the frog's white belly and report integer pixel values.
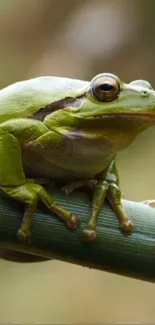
(73, 159)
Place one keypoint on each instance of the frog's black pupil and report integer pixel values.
(106, 87)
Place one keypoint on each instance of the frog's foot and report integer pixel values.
(89, 234)
(106, 187)
(29, 194)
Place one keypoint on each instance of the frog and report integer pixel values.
(69, 131)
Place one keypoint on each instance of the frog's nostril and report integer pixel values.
(144, 93)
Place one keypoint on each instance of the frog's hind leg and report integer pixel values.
(13, 183)
(29, 194)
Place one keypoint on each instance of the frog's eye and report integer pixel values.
(105, 89)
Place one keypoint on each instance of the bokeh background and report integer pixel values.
(80, 39)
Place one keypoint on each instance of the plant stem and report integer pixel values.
(132, 255)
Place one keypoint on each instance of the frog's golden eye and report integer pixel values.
(105, 89)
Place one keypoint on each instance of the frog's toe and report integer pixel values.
(89, 235)
(74, 222)
(127, 227)
(67, 189)
(24, 236)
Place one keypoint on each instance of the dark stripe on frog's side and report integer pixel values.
(60, 104)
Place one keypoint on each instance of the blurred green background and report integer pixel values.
(80, 39)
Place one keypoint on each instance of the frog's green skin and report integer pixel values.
(56, 128)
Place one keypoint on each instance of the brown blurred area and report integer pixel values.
(80, 39)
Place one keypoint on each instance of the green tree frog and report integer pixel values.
(70, 131)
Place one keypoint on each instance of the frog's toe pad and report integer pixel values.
(24, 236)
(67, 189)
(74, 222)
(89, 235)
(127, 227)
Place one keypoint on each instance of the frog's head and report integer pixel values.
(107, 96)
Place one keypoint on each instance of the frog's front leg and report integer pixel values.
(106, 186)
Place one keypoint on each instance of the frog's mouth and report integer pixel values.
(126, 116)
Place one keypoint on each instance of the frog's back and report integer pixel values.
(24, 98)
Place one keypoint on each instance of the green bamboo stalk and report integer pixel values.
(132, 256)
